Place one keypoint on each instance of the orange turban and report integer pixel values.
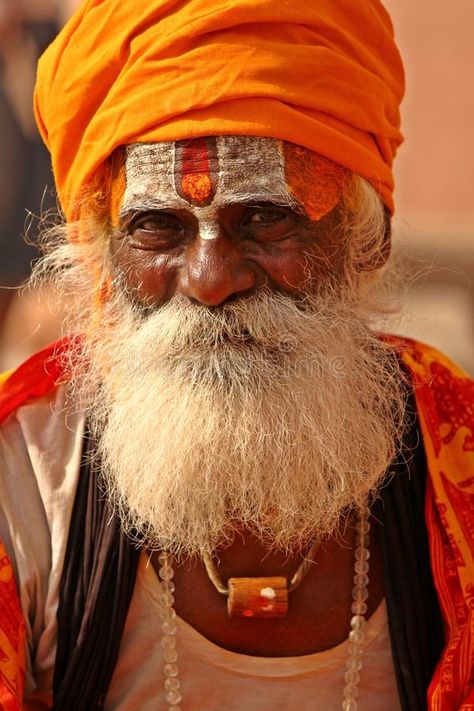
(325, 74)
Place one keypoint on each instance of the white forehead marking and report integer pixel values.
(208, 222)
(149, 177)
(250, 169)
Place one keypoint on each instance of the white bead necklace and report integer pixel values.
(168, 639)
(360, 594)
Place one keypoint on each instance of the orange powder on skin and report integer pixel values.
(196, 187)
(315, 181)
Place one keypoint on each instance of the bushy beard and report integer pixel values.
(271, 413)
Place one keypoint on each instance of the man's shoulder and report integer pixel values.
(444, 395)
(40, 452)
(444, 392)
(428, 366)
(40, 429)
(34, 379)
(40, 455)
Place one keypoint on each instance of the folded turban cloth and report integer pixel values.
(325, 74)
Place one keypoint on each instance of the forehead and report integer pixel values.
(221, 170)
(204, 171)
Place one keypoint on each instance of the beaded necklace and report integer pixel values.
(360, 595)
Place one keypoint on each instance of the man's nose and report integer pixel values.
(215, 270)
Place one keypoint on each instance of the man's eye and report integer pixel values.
(266, 224)
(266, 216)
(157, 222)
(155, 230)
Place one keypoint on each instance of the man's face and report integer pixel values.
(272, 413)
(215, 218)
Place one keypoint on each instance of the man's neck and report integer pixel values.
(319, 610)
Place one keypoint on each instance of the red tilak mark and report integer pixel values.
(193, 178)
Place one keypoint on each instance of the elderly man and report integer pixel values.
(225, 489)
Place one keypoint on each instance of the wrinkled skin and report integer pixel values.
(161, 255)
(214, 219)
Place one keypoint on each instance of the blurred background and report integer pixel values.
(26, 183)
(434, 223)
(434, 172)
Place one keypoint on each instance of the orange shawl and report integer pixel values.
(445, 400)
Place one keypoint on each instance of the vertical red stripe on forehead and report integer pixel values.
(195, 170)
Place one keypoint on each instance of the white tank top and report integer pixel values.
(214, 679)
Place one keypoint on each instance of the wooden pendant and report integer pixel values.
(257, 597)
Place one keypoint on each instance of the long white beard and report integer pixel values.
(269, 413)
